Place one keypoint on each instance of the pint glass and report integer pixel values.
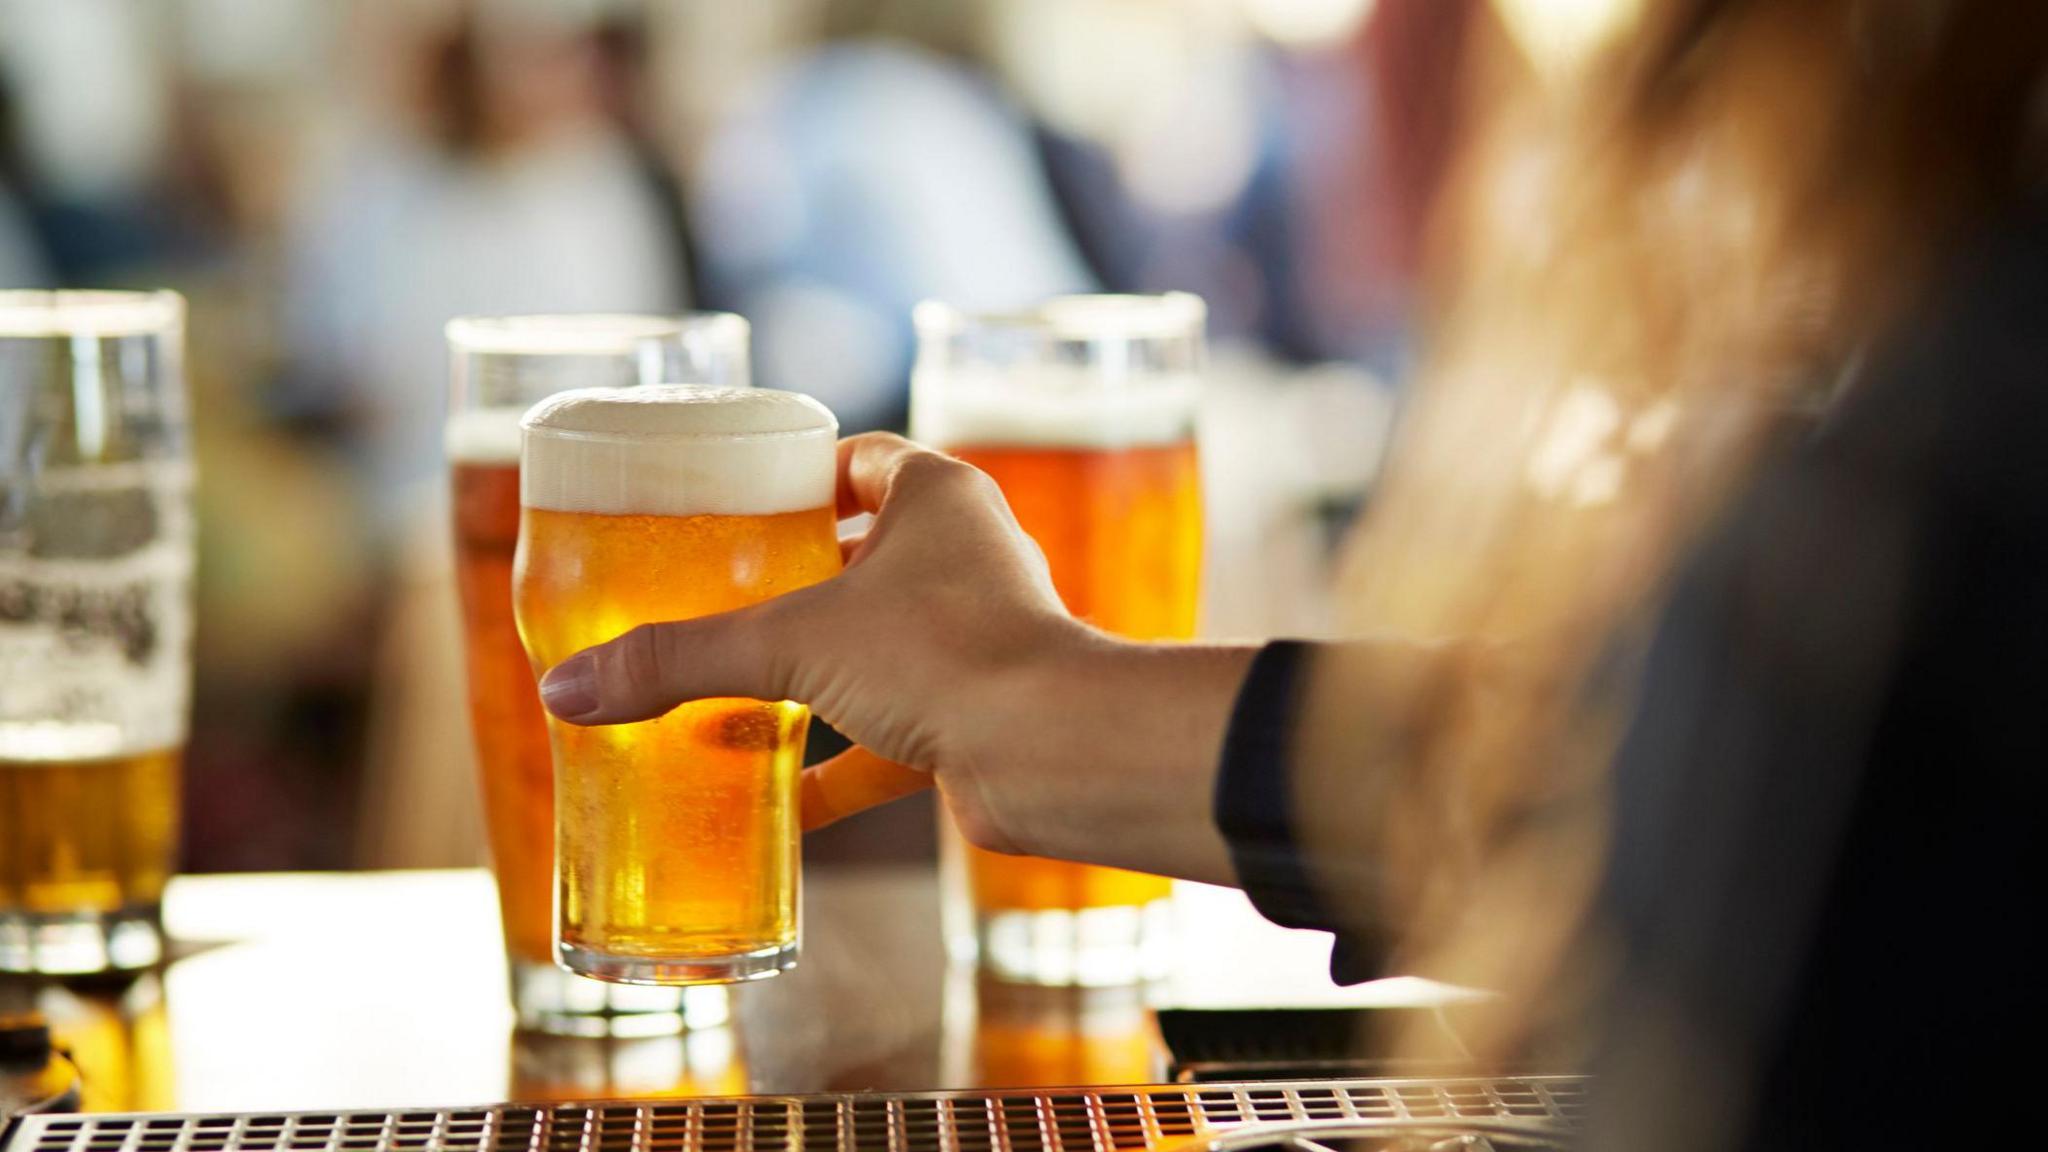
(96, 560)
(499, 367)
(1083, 410)
(675, 838)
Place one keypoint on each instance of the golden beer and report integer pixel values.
(1121, 529)
(1083, 412)
(1047, 1037)
(88, 836)
(517, 778)
(675, 838)
(499, 366)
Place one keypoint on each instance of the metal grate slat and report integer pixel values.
(1119, 1120)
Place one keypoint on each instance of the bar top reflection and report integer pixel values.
(388, 990)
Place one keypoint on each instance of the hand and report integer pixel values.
(943, 648)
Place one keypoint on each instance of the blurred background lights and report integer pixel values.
(1307, 23)
(1558, 36)
(1080, 64)
(88, 75)
(1191, 148)
(232, 41)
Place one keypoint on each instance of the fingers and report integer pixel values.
(653, 668)
(866, 462)
(855, 781)
(875, 466)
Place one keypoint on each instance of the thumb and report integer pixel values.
(651, 669)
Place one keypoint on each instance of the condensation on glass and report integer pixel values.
(676, 856)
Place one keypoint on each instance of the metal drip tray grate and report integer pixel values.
(1019, 1121)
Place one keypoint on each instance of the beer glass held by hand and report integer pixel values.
(96, 565)
(500, 367)
(1083, 410)
(676, 838)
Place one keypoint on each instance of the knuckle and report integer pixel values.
(884, 440)
(982, 485)
(644, 659)
(928, 471)
(920, 467)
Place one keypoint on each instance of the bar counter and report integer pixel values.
(350, 990)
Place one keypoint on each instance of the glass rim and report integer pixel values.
(1086, 316)
(46, 312)
(830, 429)
(586, 333)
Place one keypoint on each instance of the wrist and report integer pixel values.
(1121, 768)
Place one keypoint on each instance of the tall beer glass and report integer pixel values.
(499, 367)
(675, 838)
(1083, 410)
(96, 560)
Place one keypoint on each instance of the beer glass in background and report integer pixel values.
(96, 561)
(1083, 410)
(499, 367)
(675, 838)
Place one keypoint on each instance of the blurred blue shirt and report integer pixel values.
(859, 180)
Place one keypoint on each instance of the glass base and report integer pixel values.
(80, 943)
(614, 969)
(1088, 947)
(552, 1002)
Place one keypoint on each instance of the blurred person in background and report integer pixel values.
(493, 169)
(1274, 157)
(486, 175)
(1697, 716)
(871, 172)
(995, 152)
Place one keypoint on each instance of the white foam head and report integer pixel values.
(1043, 406)
(1071, 372)
(483, 435)
(678, 450)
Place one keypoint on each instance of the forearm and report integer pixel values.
(1124, 766)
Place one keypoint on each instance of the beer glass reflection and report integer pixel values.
(675, 838)
(96, 564)
(706, 1062)
(1083, 410)
(1008, 1035)
(120, 1040)
(499, 367)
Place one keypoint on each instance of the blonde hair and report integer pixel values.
(1642, 275)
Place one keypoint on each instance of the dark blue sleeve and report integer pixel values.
(1255, 811)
